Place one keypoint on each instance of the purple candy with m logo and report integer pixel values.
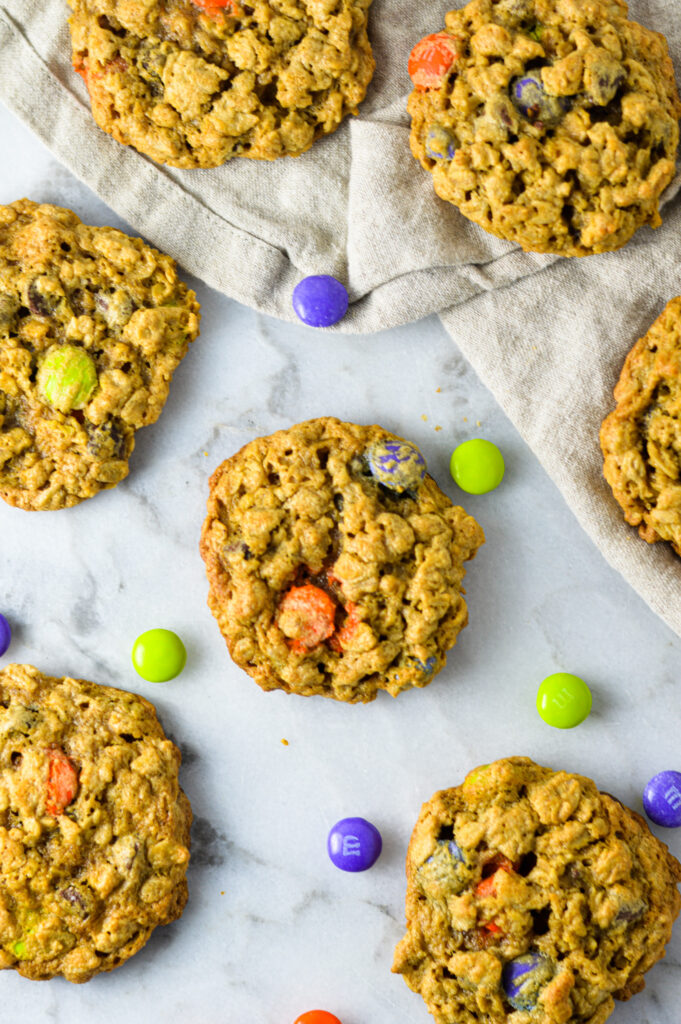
(398, 465)
(662, 799)
(354, 844)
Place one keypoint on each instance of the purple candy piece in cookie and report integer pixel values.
(354, 844)
(398, 465)
(5, 634)
(662, 799)
(320, 300)
(524, 977)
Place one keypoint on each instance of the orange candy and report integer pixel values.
(317, 1017)
(431, 60)
(486, 886)
(62, 782)
(312, 612)
(207, 4)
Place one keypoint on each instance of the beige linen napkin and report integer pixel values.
(549, 345)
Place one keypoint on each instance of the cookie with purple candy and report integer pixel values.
(532, 898)
(335, 562)
(550, 123)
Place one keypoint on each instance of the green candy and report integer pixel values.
(67, 377)
(563, 700)
(477, 466)
(19, 949)
(158, 655)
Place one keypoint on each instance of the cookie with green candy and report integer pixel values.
(93, 324)
(335, 561)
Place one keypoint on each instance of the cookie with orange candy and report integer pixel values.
(94, 828)
(533, 898)
(335, 562)
(193, 83)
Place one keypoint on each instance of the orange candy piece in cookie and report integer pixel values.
(306, 614)
(211, 4)
(431, 60)
(62, 782)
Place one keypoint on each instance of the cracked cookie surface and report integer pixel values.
(324, 580)
(93, 324)
(94, 828)
(532, 898)
(193, 84)
(641, 438)
(550, 123)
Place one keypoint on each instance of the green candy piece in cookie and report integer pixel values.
(67, 377)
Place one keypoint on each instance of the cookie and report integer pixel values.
(92, 326)
(94, 828)
(641, 438)
(193, 84)
(335, 562)
(532, 898)
(550, 123)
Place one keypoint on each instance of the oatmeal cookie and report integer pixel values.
(192, 83)
(92, 326)
(641, 438)
(94, 828)
(532, 898)
(335, 562)
(551, 123)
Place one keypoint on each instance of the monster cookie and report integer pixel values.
(92, 326)
(551, 123)
(532, 898)
(192, 83)
(94, 828)
(335, 562)
(641, 438)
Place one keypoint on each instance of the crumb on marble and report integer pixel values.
(285, 742)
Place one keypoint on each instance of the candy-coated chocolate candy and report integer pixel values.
(530, 97)
(662, 799)
(317, 1017)
(563, 700)
(477, 466)
(67, 377)
(427, 667)
(5, 634)
(524, 978)
(440, 143)
(397, 465)
(431, 60)
(447, 848)
(159, 655)
(320, 300)
(354, 844)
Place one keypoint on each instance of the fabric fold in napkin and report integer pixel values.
(548, 336)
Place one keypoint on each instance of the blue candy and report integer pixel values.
(427, 667)
(440, 143)
(397, 465)
(320, 300)
(5, 634)
(530, 97)
(453, 849)
(524, 978)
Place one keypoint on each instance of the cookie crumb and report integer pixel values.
(285, 742)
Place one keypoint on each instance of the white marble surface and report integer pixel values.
(272, 928)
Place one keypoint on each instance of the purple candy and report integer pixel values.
(354, 844)
(662, 799)
(523, 979)
(5, 634)
(320, 300)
